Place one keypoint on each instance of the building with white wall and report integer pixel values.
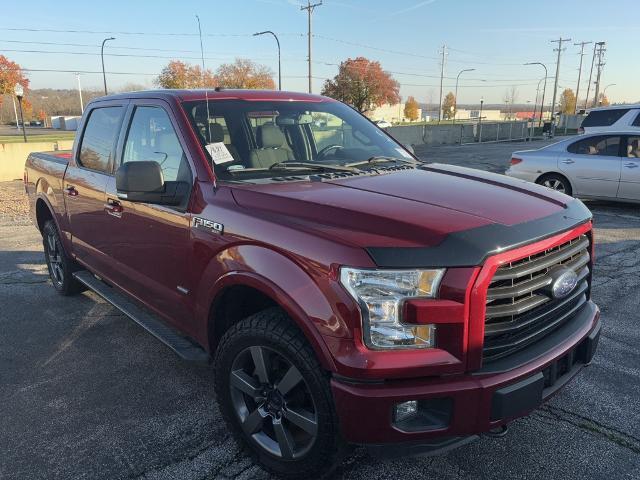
(391, 113)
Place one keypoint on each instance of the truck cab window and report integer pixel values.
(152, 137)
(99, 138)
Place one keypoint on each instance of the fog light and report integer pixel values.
(405, 410)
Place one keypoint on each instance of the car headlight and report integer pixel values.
(380, 294)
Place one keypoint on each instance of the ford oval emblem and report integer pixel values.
(564, 281)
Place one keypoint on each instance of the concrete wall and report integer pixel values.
(13, 156)
(457, 133)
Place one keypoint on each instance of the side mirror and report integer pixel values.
(143, 182)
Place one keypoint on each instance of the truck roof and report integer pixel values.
(220, 94)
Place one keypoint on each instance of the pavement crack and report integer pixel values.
(593, 426)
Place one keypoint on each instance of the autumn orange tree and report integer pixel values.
(411, 109)
(10, 74)
(449, 106)
(568, 102)
(243, 73)
(179, 74)
(363, 84)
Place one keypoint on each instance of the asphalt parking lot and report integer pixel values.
(85, 393)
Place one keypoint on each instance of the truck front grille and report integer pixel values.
(520, 307)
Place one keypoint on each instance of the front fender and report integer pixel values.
(312, 301)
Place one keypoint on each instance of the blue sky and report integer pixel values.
(493, 36)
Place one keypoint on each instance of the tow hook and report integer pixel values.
(498, 432)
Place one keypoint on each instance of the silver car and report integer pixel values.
(599, 165)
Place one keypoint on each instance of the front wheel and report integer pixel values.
(555, 182)
(276, 398)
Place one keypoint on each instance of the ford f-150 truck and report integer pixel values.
(345, 291)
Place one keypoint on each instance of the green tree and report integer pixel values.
(411, 109)
(363, 84)
(568, 102)
(449, 106)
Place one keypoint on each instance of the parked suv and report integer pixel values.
(621, 118)
(345, 291)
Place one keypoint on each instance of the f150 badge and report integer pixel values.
(208, 225)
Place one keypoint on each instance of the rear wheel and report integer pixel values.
(555, 182)
(60, 266)
(276, 398)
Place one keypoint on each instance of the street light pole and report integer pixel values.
(455, 113)
(104, 75)
(80, 94)
(480, 122)
(278, 42)
(19, 91)
(544, 89)
(604, 91)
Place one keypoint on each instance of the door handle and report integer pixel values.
(568, 161)
(71, 191)
(113, 208)
(631, 165)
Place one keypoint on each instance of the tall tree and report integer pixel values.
(363, 84)
(567, 102)
(179, 74)
(10, 74)
(449, 106)
(411, 109)
(244, 73)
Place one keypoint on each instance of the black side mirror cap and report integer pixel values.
(143, 182)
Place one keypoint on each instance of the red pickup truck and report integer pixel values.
(345, 291)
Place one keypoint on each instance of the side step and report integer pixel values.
(184, 347)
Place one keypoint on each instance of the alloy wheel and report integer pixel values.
(54, 259)
(554, 184)
(273, 403)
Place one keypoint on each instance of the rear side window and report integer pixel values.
(607, 145)
(636, 122)
(604, 118)
(99, 138)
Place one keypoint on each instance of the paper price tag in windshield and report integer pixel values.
(219, 153)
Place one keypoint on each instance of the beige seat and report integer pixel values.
(270, 140)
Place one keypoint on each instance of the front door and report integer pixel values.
(592, 165)
(630, 176)
(150, 243)
(85, 182)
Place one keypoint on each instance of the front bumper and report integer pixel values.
(462, 405)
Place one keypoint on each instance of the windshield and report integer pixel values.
(249, 139)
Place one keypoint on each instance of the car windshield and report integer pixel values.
(249, 139)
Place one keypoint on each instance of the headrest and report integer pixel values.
(200, 114)
(270, 136)
(217, 133)
(593, 150)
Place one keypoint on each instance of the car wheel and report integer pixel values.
(60, 266)
(556, 182)
(276, 398)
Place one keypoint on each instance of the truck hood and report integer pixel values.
(417, 207)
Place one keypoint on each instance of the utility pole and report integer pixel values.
(444, 54)
(80, 94)
(582, 44)
(560, 41)
(593, 60)
(309, 8)
(600, 64)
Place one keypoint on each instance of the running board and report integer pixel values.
(182, 346)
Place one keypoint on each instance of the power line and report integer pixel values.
(310, 8)
(582, 44)
(599, 66)
(560, 41)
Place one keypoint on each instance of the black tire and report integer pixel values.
(60, 266)
(283, 348)
(556, 182)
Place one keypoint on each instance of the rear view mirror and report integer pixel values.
(143, 182)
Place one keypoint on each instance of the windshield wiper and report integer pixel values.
(382, 159)
(296, 166)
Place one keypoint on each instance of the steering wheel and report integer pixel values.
(323, 152)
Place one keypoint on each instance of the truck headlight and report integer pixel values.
(380, 294)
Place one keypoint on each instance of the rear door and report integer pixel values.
(85, 182)
(149, 244)
(630, 175)
(593, 165)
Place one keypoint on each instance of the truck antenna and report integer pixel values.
(206, 92)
